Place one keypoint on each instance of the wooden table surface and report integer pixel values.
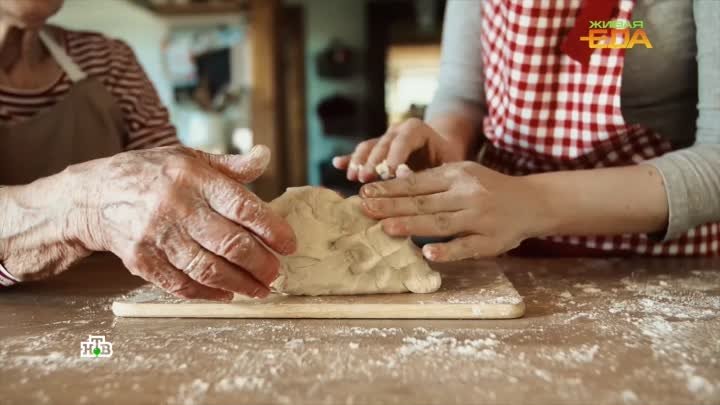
(604, 331)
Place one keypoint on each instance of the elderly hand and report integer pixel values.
(487, 212)
(182, 220)
(412, 142)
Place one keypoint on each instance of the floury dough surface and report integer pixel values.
(341, 251)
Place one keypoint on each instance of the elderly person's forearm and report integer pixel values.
(39, 227)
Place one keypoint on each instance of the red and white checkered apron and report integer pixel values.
(547, 112)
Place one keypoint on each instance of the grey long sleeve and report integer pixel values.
(692, 175)
(461, 87)
(692, 185)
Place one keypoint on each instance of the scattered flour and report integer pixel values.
(358, 331)
(582, 354)
(481, 349)
(699, 385)
(650, 331)
(588, 288)
(696, 384)
(295, 344)
(241, 383)
(191, 394)
(629, 397)
(544, 375)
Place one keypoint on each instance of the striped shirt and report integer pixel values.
(113, 63)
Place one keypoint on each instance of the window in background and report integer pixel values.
(412, 72)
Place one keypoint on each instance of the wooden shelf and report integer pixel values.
(194, 9)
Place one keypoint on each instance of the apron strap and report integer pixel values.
(62, 58)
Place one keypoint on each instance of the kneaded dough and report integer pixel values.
(341, 251)
(383, 170)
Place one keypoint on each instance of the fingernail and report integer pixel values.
(365, 175)
(260, 154)
(393, 226)
(270, 275)
(289, 246)
(261, 292)
(431, 252)
(370, 191)
(227, 297)
(258, 150)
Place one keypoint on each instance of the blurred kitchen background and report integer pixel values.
(308, 78)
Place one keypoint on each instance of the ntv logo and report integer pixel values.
(96, 346)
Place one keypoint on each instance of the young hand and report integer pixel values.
(412, 142)
(487, 212)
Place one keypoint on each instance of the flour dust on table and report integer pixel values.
(341, 251)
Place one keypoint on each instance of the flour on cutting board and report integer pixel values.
(645, 316)
(484, 292)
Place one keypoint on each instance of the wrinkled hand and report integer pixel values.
(182, 220)
(412, 142)
(487, 212)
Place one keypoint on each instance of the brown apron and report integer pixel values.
(86, 124)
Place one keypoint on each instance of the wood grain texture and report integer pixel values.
(266, 108)
(292, 32)
(479, 292)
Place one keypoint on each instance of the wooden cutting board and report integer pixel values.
(480, 291)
